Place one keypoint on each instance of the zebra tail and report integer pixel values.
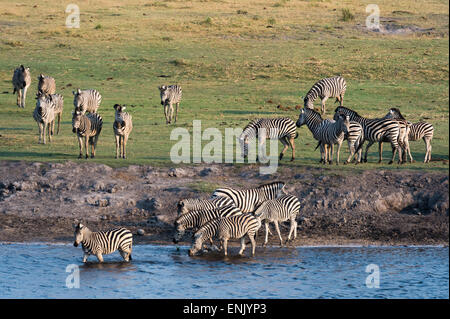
(318, 144)
(360, 144)
(296, 135)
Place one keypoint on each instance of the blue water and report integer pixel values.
(39, 271)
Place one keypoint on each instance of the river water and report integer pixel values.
(49, 270)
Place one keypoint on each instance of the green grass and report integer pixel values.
(229, 65)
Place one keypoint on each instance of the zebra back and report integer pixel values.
(280, 209)
(327, 87)
(274, 128)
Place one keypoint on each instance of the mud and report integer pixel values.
(40, 201)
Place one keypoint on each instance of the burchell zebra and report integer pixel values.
(58, 101)
(376, 130)
(324, 89)
(249, 199)
(197, 218)
(190, 204)
(328, 132)
(44, 115)
(277, 210)
(86, 100)
(225, 228)
(403, 141)
(104, 242)
(279, 128)
(122, 126)
(21, 80)
(170, 95)
(87, 127)
(46, 84)
(417, 131)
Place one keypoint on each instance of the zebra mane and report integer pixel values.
(314, 112)
(340, 108)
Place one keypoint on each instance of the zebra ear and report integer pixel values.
(74, 93)
(78, 91)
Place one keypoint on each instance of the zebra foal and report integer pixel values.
(226, 228)
(190, 204)
(282, 128)
(86, 100)
(87, 127)
(122, 126)
(324, 89)
(170, 95)
(103, 242)
(21, 80)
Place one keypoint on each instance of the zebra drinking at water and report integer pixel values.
(46, 84)
(376, 130)
(87, 127)
(277, 210)
(249, 199)
(122, 127)
(324, 89)
(169, 95)
(103, 242)
(44, 115)
(279, 128)
(417, 131)
(21, 80)
(86, 100)
(190, 204)
(226, 228)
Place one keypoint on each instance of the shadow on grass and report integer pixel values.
(36, 154)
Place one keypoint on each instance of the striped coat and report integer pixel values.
(21, 80)
(87, 127)
(86, 100)
(190, 204)
(122, 126)
(46, 84)
(324, 89)
(44, 114)
(170, 95)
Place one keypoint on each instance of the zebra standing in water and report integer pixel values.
(417, 131)
(169, 95)
(280, 128)
(86, 100)
(324, 89)
(277, 210)
(249, 199)
(328, 132)
(87, 127)
(103, 242)
(44, 115)
(122, 126)
(225, 228)
(21, 80)
(46, 84)
(186, 205)
(376, 130)
(197, 218)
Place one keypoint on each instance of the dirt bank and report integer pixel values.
(40, 201)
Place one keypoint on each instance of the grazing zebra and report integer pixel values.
(88, 127)
(44, 114)
(375, 130)
(417, 131)
(46, 84)
(225, 228)
(324, 89)
(86, 100)
(197, 218)
(122, 127)
(277, 210)
(249, 199)
(186, 205)
(169, 95)
(280, 128)
(328, 132)
(104, 242)
(21, 80)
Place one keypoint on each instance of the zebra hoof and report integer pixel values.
(280, 157)
(390, 162)
(80, 156)
(292, 159)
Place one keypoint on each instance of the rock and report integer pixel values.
(380, 206)
(102, 202)
(140, 232)
(177, 172)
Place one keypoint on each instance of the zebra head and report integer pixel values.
(344, 123)
(307, 102)
(80, 231)
(76, 120)
(180, 228)
(164, 93)
(77, 99)
(42, 102)
(394, 113)
(119, 115)
(301, 118)
(181, 207)
(197, 246)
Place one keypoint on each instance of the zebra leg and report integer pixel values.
(395, 148)
(170, 113)
(293, 148)
(117, 145)
(337, 153)
(367, 150)
(278, 232)
(351, 148)
(94, 145)
(124, 152)
(80, 145)
(166, 109)
(380, 152)
(291, 230)
(427, 141)
(59, 120)
(43, 136)
(19, 98)
(266, 240)
(252, 239)
(85, 257)
(325, 98)
(99, 257)
(241, 251)
(176, 112)
(225, 246)
(286, 145)
(86, 146)
(331, 154)
(24, 94)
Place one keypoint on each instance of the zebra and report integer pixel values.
(328, 132)
(46, 84)
(417, 131)
(324, 89)
(58, 101)
(249, 199)
(277, 210)
(86, 100)
(375, 130)
(21, 80)
(122, 126)
(403, 141)
(44, 115)
(103, 242)
(281, 128)
(88, 127)
(186, 205)
(225, 228)
(169, 95)
(197, 218)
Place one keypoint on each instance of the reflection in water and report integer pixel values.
(39, 271)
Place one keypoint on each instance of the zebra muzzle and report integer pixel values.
(75, 244)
